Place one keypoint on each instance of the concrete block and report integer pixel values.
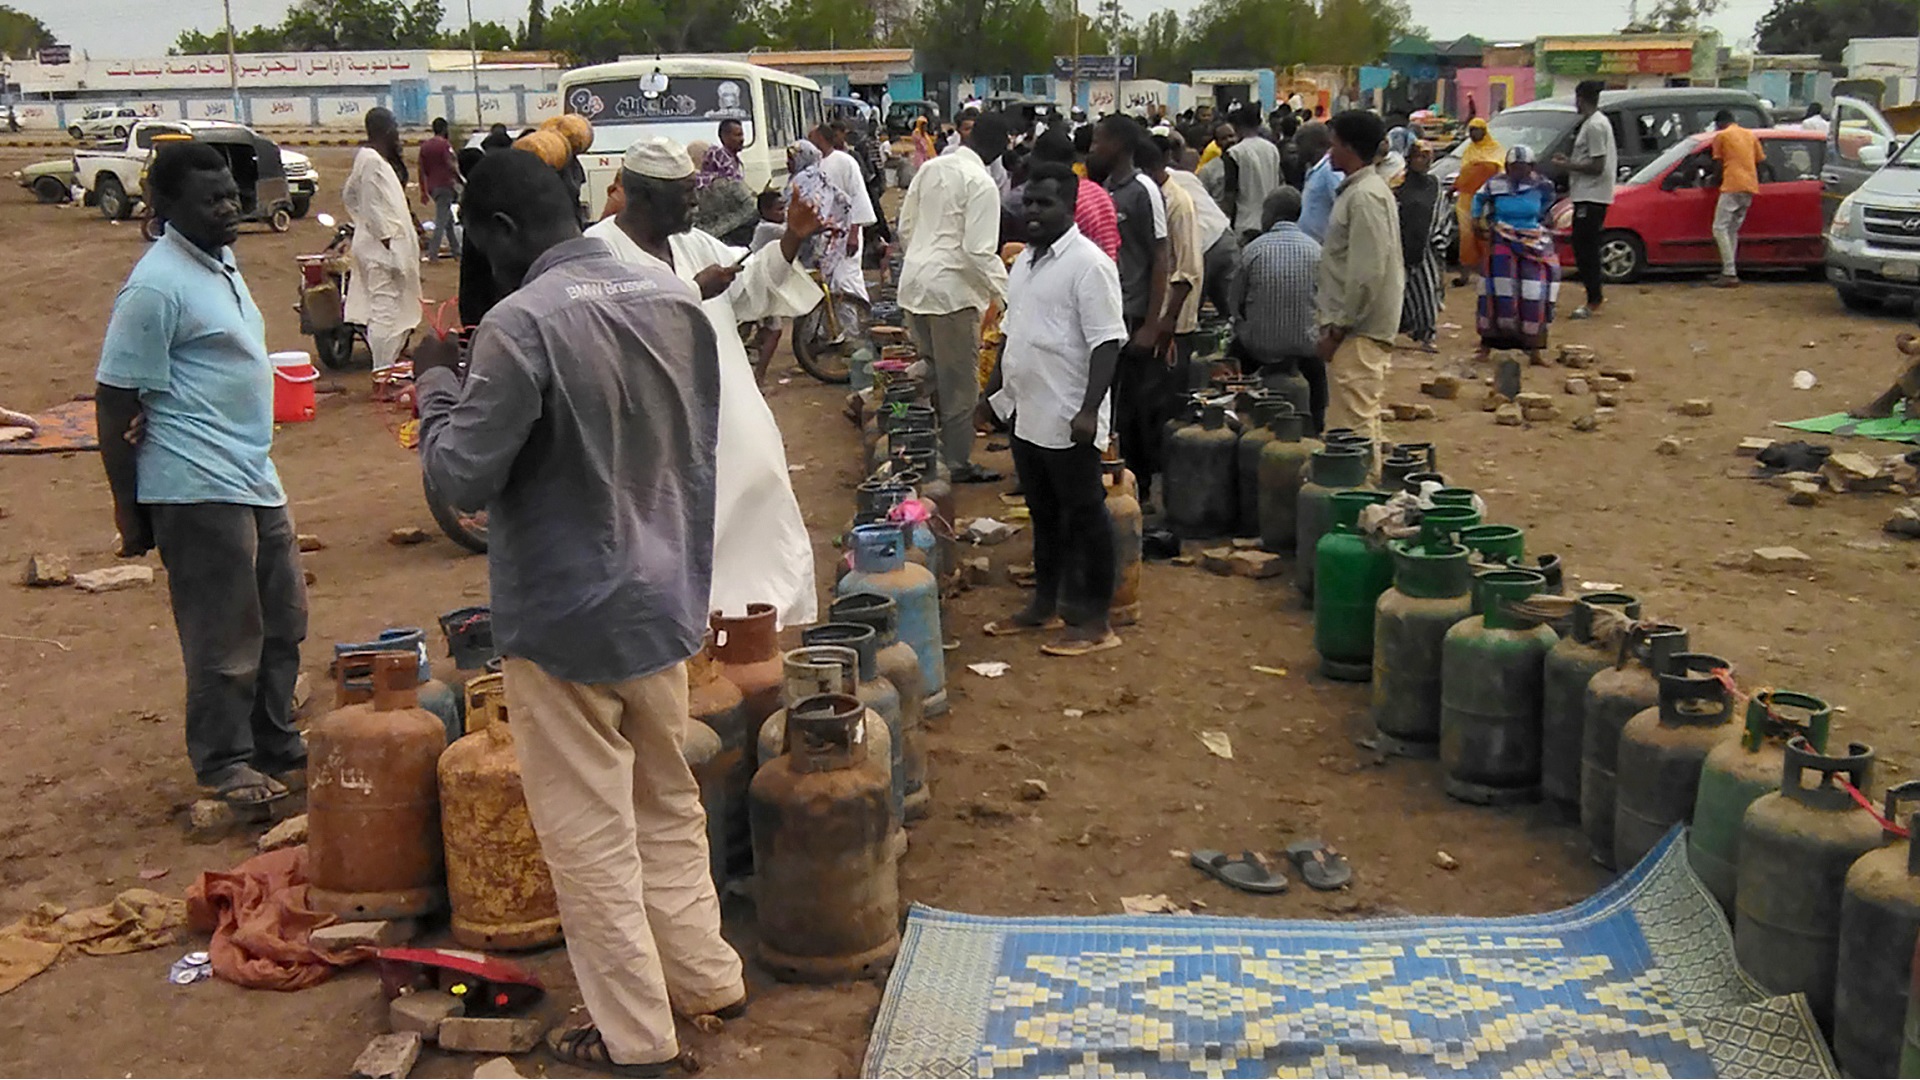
(355, 935)
(422, 1011)
(490, 1034)
(388, 1057)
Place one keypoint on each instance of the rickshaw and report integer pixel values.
(256, 165)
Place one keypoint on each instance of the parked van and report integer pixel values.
(685, 98)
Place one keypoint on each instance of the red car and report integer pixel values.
(1662, 218)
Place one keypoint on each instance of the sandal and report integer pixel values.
(246, 788)
(1068, 646)
(974, 474)
(1248, 873)
(1010, 626)
(581, 1046)
(1319, 864)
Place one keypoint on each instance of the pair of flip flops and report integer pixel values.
(1320, 865)
(1062, 646)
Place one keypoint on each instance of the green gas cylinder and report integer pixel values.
(1574, 661)
(1796, 846)
(1430, 585)
(1283, 469)
(1490, 695)
(1334, 467)
(1442, 525)
(1350, 573)
(1879, 922)
(1616, 695)
(1741, 770)
(1662, 750)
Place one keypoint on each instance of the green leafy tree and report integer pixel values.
(1253, 33)
(21, 34)
(819, 24)
(256, 39)
(534, 34)
(595, 31)
(322, 25)
(1159, 47)
(1824, 26)
(1673, 17)
(988, 37)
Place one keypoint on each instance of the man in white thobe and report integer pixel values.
(843, 172)
(384, 295)
(761, 552)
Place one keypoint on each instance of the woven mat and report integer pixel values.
(1638, 980)
(64, 428)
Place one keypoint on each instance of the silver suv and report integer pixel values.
(1873, 243)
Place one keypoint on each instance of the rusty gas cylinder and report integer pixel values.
(717, 702)
(373, 797)
(497, 880)
(746, 649)
(826, 870)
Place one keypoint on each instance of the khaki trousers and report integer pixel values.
(620, 823)
(1358, 377)
(951, 343)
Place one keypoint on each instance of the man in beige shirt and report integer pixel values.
(1361, 277)
(1179, 319)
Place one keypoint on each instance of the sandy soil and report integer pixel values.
(95, 772)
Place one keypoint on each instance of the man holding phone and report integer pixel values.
(1063, 330)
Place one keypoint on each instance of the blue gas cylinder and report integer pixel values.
(880, 566)
(435, 696)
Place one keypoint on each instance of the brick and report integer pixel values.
(1508, 416)
(1752, 447)
(1538, 413)
(1606, 399)
(1424, 411)
(409, 535)
(286, 834)
(1669, 446)
(1216, 561)
(1493, 401)
(1577, 386)
(1527, 400)
(422, 1011)
(114, 578)
(44, 570)
(1402, 410)
(1256, 564)
(1577, 356)
(1624, 374)
(1801, 493)
(355, 935)
(1779, 559)
(1444, 387)
(498, 1068)
(1034, 790)
(490, 1034)
(1696, 407)
(309, 542)
(1586, 422)
(388, 1057)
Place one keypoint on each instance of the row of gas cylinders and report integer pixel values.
(403, 823)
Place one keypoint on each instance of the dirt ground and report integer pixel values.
(95, 772)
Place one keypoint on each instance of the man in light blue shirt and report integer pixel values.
(1322, 184)
(184, 406)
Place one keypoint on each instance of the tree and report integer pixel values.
(595, 31)
(988, 37)
(1159, 47)
(21, 34)
(487, 37)
(321, 25)
(1673, 17)
(819, 24)
(257, 39)
(534, 34)
(1824, 26)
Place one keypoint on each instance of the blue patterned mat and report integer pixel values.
(1639, 980)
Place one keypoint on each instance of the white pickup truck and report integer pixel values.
(109, 174)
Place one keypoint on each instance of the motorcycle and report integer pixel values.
(322, 303)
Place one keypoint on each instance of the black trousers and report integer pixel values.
(240, 607)
(1589, 219)
(1073, 558)
(1142, 390)
(1314, 370)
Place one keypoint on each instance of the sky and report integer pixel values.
(129, 28)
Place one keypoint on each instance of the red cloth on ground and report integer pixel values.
(257, 913)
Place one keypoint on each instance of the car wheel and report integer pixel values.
(1623, 258)
(49, 189)
(301, 204)
(75, 133)
(1859, 301)
(119, 132)
(281, 221)
(112, 198)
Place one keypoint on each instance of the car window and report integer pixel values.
(1656, 129)
(1692, 170)
(1790, 160)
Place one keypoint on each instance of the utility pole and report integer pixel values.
(1073, 80)
(233, 63)
(473, 61)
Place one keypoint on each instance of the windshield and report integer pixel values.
(1908, 157)
(1651, 170)
(1535, 129)
(688, 110)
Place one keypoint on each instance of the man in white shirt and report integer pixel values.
(843, 172)
(1816, 119)
(1063, 332)
(950, 229)
(1219, 246)
(1590, 173)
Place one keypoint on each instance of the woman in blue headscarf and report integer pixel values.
(1522, 280)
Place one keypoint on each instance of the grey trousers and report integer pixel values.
(1729, 213)
(240, 607)
(443, 225)
(951, 343)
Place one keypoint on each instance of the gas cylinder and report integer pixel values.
(827, 879)
(1253, 440)
(1429, 595)
(1394, 471)
(1661, 752)
(1443, 524)
(497, 880)
(899, 666)
(1283, 467)
(1910, 1044)
(1416, 483)
(1284, 382)
(700, 748)
(880, 566)
(830, 669)
(746, 652)
(716, 702)
(433, 695)
(874, 691)
(1879, 921)
(1424, 453)
(1796, 846)
(1129, 532)
(1202, 493)
(1741, 770)
(1332, 468)
(1495, 547)
(1186, 412)
(1456, 496)
(373, 798)
(1350, 574)
(1563, 696)
(922, 454)
(1490, 696)
(1616, 695)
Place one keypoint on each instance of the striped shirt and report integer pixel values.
(1272, 295)
(1093, 215)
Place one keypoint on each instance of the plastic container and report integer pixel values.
(293, 379)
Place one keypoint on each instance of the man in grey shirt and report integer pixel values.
(586, 426)
(1590, 172)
